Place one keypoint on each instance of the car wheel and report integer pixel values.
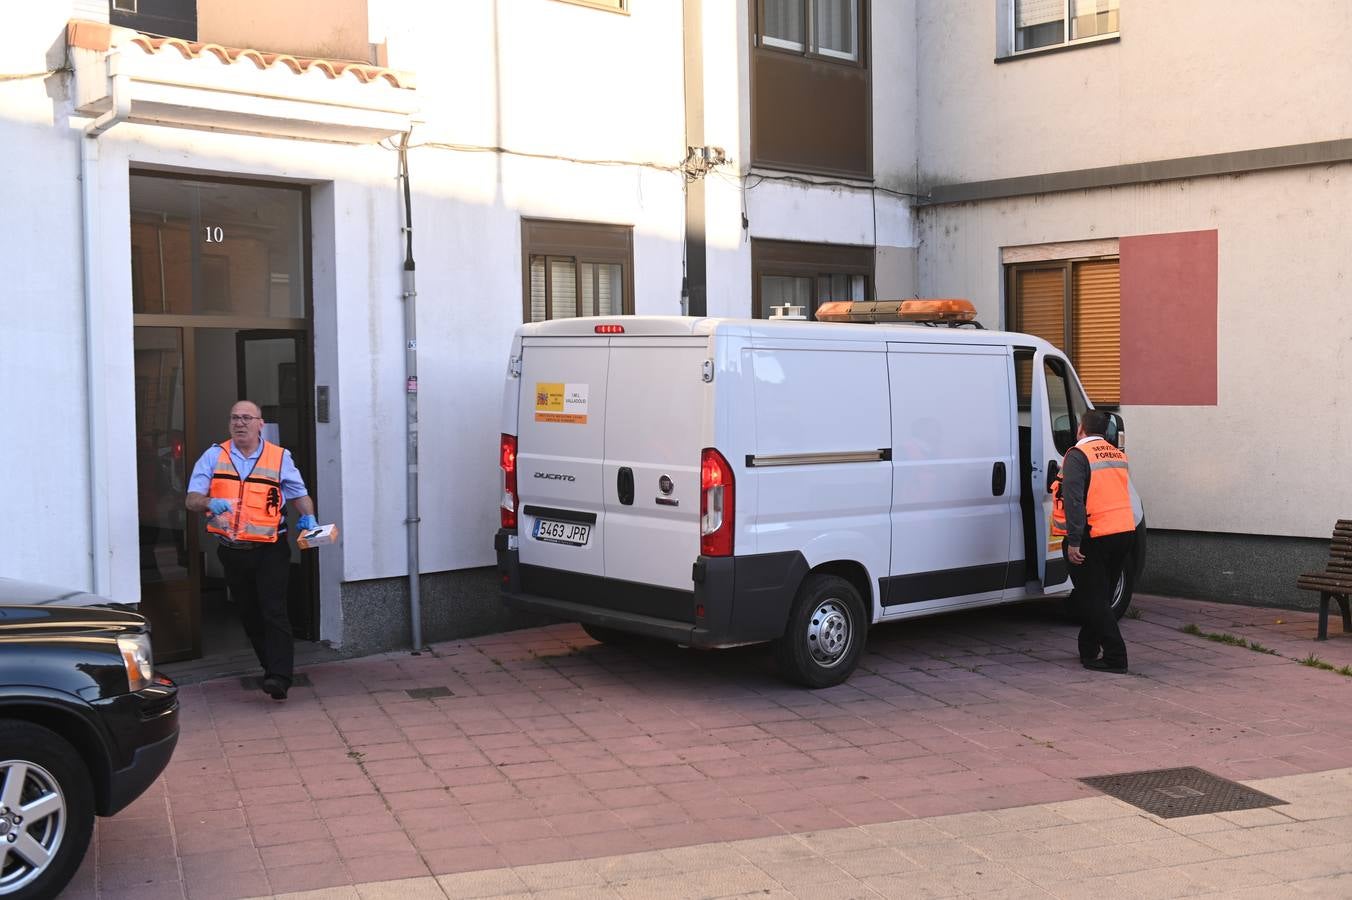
(825, 634)
(46, 810)
(604, 635)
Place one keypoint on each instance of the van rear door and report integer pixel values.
(560, 448)
(654, 433)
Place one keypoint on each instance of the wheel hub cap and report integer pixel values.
(828, 632)
(32, 823)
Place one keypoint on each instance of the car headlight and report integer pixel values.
(137, 658)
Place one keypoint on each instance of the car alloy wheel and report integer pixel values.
(32, 823)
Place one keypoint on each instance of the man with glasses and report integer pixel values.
(243, 487)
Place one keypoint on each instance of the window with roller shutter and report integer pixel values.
(1035, 25)
(576, 269)
(1076, 306)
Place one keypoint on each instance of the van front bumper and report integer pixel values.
(732, 600)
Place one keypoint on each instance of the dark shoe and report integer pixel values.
(276, 688)
(1102, 665)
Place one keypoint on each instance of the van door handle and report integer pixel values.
(998, 480)
(1052, 471)
(624, 485)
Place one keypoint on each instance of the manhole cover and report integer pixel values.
(255, 682)
(1170, 793)
(427, 693)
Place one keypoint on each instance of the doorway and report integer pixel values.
(221, 295)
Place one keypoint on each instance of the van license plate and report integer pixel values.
(562, 532)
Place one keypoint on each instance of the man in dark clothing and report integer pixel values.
(1100, 535)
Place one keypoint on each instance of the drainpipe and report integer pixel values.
(411, 402)
(100, 550)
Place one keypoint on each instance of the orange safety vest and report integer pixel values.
(1058, 509)
(1108, 508)
(257, 510)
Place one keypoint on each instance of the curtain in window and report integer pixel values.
(602, 289)
(784, 22)
(537, 289)
(1097, 323)
(1028, 13)
(834, 27)
(777, 290)
(1092, 17)
(562, 288)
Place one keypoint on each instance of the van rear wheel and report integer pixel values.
(825, 634)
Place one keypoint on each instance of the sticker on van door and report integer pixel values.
(555, 402)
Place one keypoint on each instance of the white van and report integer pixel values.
(716, 482)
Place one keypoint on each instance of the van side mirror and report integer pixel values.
(1116, 431)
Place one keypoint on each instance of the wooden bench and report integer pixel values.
(1335, 582)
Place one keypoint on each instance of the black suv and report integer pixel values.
(85, 728)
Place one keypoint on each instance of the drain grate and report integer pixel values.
(1189, 791)
(255, 682)
(427, 693)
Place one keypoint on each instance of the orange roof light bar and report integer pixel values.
(938, 310)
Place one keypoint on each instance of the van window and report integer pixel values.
(1065, 404)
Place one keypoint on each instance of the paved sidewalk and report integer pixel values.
(1096, 848)
(551, 749)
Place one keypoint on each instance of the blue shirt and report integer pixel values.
(293, 485)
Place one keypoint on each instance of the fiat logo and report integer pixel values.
(665, 486)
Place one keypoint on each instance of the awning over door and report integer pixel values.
(185, 84)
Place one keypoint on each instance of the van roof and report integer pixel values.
(673, 326)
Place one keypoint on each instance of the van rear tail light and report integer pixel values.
(717, 500)
(609, 329)
(507, 462)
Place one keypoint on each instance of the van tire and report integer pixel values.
(1122, 593)
(613, 636)
(825, 634)
(1121, 602)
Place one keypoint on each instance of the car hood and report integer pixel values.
(21, 621)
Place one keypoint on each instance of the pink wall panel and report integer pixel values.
(1169, 319)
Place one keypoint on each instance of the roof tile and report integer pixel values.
(98, 36)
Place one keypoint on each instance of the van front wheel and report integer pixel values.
(825, 633)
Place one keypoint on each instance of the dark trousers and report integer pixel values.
(1094, 580)
(257, 580)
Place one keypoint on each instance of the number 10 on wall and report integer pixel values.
(214, 234)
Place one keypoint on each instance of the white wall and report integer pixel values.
(42, 377)
(1187, 78)
(1268, 458)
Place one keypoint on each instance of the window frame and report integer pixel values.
(583, 242)
(801, 259)
(1013, 312)
(130, 6)
(1007, 38)
(761, 41)
(620, 7)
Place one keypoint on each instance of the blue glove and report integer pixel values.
(219, 506)
(307, 523)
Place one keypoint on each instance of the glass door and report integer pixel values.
(271, 372)
(169, 557)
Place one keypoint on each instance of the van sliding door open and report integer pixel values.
(1054, 417)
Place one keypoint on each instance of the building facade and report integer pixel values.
(1164, 191)
(208, 202)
